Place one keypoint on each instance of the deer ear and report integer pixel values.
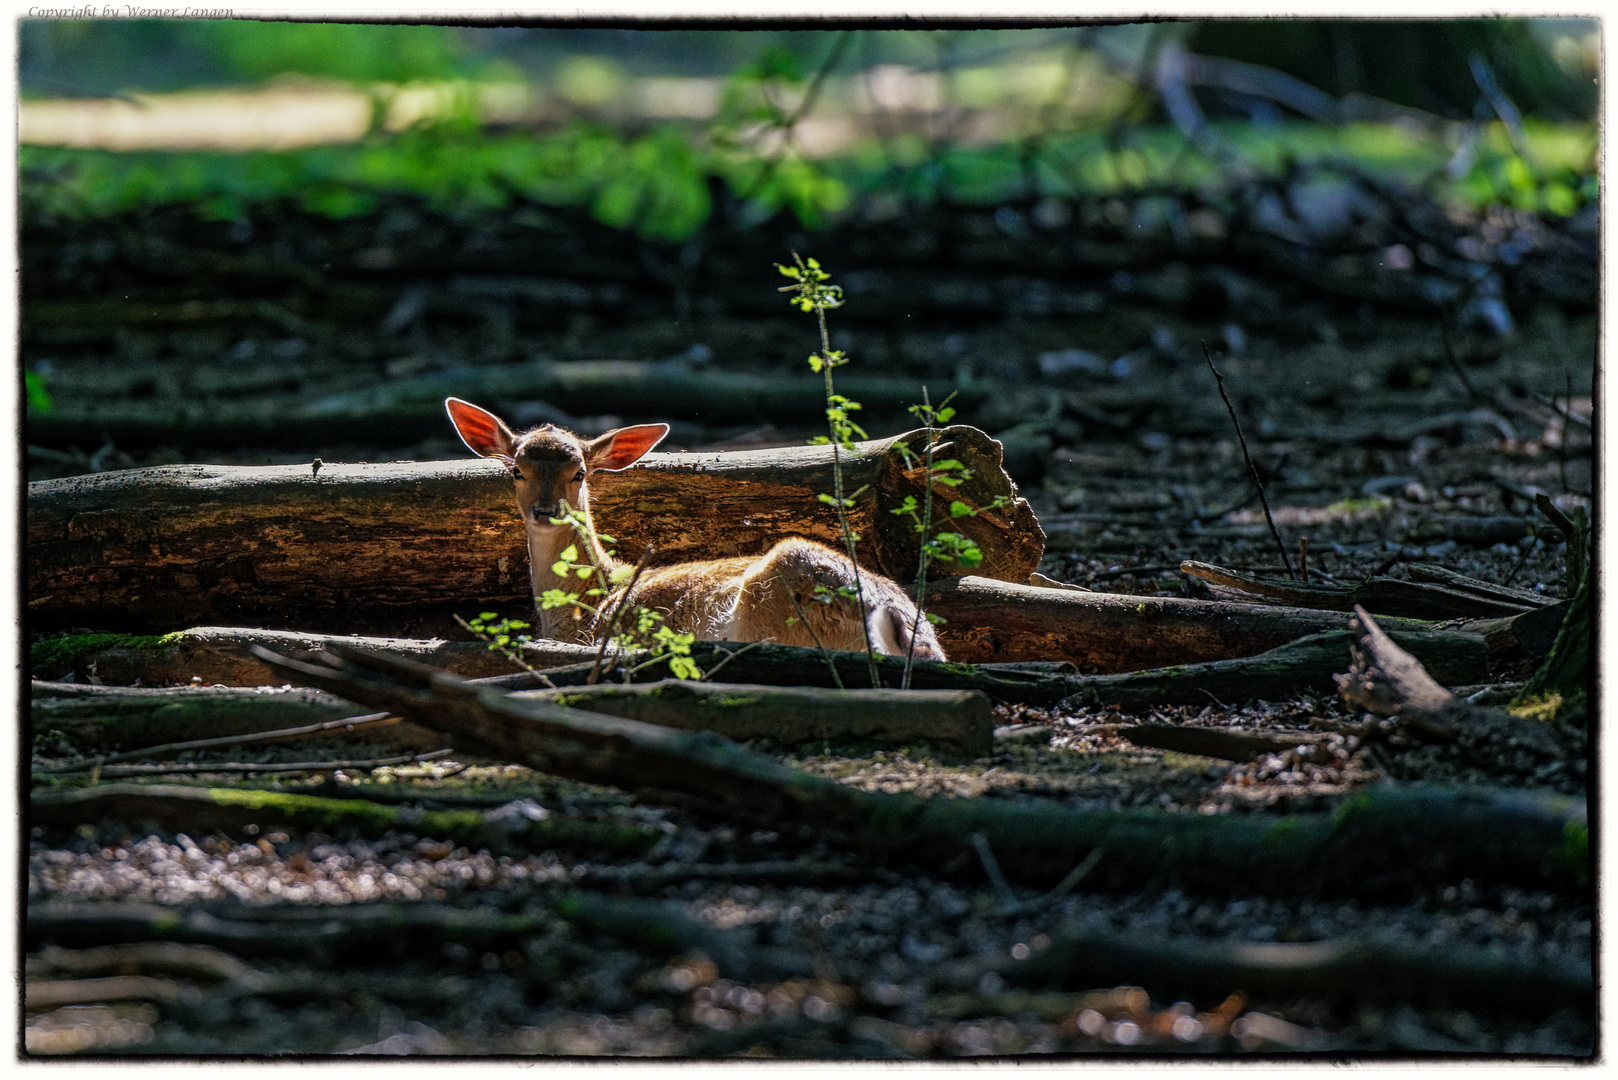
(622, 448)
(484, 433)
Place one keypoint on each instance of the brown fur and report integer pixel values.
(734, 599)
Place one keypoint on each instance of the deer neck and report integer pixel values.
(545, 548)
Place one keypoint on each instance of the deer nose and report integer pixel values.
(541, 515)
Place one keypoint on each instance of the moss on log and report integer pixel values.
(197, 809)
(220, 654)
(1306, 664)
(960, 718)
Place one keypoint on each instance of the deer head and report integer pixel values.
(550, 465)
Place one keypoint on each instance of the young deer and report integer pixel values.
(734, 599)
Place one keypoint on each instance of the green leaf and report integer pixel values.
(960, 509)
(39, 399)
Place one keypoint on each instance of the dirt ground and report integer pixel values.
(1388, 431)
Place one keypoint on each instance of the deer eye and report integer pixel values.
(579, 477)
(516, 473)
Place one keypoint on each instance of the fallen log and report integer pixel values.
(1230, 744)
(184, 808)
(276, 929)
(1378, 839)
(741, 711)
(363, 547)
(1309, 663)
(1356, 969)
(115, 719)
(1111, 632)
(659, 927)
(219, 655)
(1379, 595)
(100, 719)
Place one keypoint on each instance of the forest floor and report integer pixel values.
(1387, 432)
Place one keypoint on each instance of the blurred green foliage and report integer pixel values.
(92, 56)
(359, 52)
(658, 183)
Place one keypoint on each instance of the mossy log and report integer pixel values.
(219, 655)
(1310, 663)
(1352, 969)
(404, 546)
(1375, 840)
(741, 711)
(102, 719)
(95, 718)
(186, 808)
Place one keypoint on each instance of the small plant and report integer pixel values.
(645, 629)
(815, 294)
(947, 547)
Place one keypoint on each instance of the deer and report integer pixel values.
(796, 593)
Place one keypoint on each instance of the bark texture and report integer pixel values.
(961, 718)
(1310, 663)
(342, 546)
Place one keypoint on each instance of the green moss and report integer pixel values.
(1281, 830)
(958, 669)
(65, 651)
(1351, 806)
(1573, 856)
(1359, 507)
(1538, 707)
(315, 812)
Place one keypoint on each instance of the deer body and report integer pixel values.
(788, 593)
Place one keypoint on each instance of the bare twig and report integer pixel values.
(514, 655)
(729, 656)
(617, 614)
(807, 625)
(347, 723)
(1061, 889)
(1455, 363)
(1252, 470)
(1503, 107)
(991, 867)
(1566, 413)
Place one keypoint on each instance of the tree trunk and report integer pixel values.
(400, 547)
